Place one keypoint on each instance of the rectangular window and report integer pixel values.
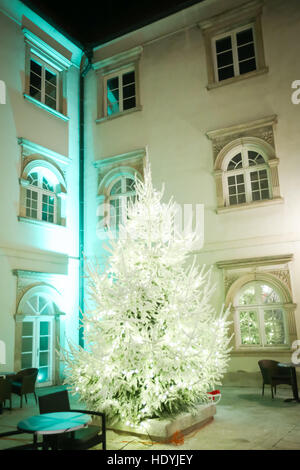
(43, 84)
(235, 53)
(120, 92)
(236, 189)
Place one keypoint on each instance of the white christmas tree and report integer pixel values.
(154, 346)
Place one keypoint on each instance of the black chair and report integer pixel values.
(273, 375)
(24, 382)
(5, 392)
(82, 439)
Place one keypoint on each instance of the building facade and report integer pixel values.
(207, 93)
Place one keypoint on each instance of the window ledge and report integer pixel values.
(46, 108)
(239, 78)
(250, 205)
(41, 223)
(116, 115)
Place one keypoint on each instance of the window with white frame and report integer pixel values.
(121, 192)
(260, 317)
(119, 92)
(41, 198)
(246, 177)
(235, 53)
(44, 83)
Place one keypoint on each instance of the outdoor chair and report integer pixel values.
(82, 439)
(24, 382)
(5, 391)
(273, 375)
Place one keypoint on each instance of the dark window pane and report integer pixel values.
(44, 216)
(247, 66)
(50, 90)
(27, 328)
(256, 196)
(35, 80)
(225, 59)
(232, 200)
(255, 185)
(50, 218)
(240, 178)
(43, 359)
(35, 93)
(113, 83)
(226, 72)
(241, 198)
(113, 108)
(35, 67)
(246, 52)
(44, 343)
(129, 91)
(223, 44)
(241, 188)
(26, 344)
(263, 174)
(50, 77)
(26, 361)
(265, 194)
(113, 95)
(128, 78)
(231, 180)
(232, 190)
(254, 176)
(50, 102)
(34, 214)
(243, 37)
(264, 184)
(128, 104)
(44, 328)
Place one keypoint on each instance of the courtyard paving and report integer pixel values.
(244, 421)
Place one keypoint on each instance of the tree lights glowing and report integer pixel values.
(154, 344)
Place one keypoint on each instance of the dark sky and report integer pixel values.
(92, 23)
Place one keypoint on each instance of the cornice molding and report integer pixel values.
(34, 148)
(134, 154)
(131, 55)
(247, 126)
(261, 261)
(46, 52)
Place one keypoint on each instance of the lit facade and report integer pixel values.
(207, 93)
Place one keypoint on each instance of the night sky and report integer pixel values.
(92, 23)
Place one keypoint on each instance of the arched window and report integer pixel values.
(246, 176)
(260, 316)
(41, 198)
(37, 348)
(120, 192)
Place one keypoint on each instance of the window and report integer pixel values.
(44, 83)
(235, 53)
(120, 92)
(260, 316)
(247, 177)
(233, 44)
(41, 199)
(120, 193)
(37, 337)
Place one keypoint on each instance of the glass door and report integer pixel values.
(37, 347)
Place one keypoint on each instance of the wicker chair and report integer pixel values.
(24, 382)
(79, 440)
(273, 375)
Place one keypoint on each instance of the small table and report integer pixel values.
(292, 366)
(53, 423)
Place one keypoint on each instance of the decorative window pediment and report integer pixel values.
(245, 165)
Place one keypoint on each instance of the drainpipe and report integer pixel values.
(88, 54)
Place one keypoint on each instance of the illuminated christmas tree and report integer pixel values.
(154, 346)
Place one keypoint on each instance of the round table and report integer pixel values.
(293, 375)
(53, 423)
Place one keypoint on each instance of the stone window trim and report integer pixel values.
(275, 271)
(257, 135)
(130, 165)
(247, 14)
(36, 48)
(35, 156)
(124, 61)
